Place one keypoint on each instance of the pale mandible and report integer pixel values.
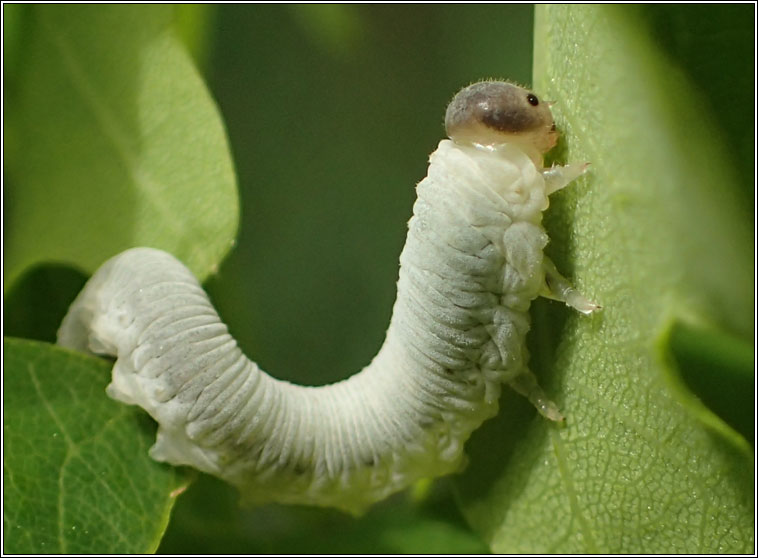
(472, 263)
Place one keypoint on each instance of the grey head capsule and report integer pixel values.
(495, 112)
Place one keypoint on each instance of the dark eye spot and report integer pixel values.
(532, 100)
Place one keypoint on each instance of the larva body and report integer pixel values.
(471, 265)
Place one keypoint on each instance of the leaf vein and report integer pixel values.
(565, 475)
(111, 129)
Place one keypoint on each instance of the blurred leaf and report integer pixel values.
(702, 42)
(13, 15)
(116, 144)
(76, 475)
(719, 370)
(208, 520)
(194, 27)
(336, 28)
(655, 233)
(36, 303)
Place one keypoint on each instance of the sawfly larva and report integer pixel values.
(472, 263)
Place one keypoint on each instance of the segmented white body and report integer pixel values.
(471, 265)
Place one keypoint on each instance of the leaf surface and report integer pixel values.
(656, 235)
(114, 142)
(77, 476)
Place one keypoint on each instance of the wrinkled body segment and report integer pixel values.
(470, 267)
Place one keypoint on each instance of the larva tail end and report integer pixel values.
(74, 331)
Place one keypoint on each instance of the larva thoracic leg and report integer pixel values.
(471, 265)
(557, 177)
(526, 385)
(557, 287)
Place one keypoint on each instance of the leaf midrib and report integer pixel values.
(104, 115)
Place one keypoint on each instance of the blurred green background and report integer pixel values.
(332, 112)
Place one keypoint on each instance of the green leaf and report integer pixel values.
(717, 370)
(194, 27)
(655, 233)
(77, 477)
(209, 520)
(115, 142)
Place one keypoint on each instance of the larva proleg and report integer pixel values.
(472, 263)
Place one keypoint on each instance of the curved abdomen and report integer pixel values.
(470, 267)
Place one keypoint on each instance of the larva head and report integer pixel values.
(495, 112)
